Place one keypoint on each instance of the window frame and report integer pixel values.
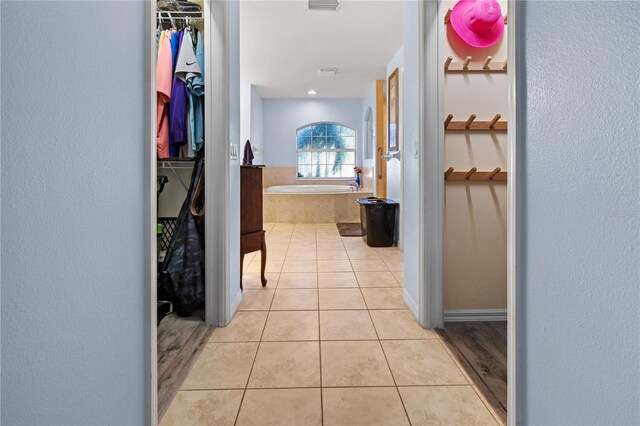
(354, 150)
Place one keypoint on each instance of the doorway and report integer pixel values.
(413, 150)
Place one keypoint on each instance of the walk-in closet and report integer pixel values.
(180, 86)
(476, 126)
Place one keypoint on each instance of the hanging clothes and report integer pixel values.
(178, 109)
(180, 93)
(187, 69)
(197, 89)
(163, 88)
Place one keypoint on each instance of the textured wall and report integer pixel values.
(282, 117)
(73, 213)
(580, 309)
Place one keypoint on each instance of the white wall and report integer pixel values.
(282, 117)
(394, 166)
(368, 101)
(580, 200)
(410, 167)
(251, 121)
(74, 299)
(234, 294)
(257, 128)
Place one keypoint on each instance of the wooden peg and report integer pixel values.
(485, 66)
(446, 16)
(448, 173)
(470, 173)
(465, 65)
(469, 121)
(504, 64)
(447, 63)
(448, 120)
(494, 121)
(494, 173)
(505, 19)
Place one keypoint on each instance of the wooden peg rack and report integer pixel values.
(448, 15)
(467, 66)
(474, 175)
(494, 125)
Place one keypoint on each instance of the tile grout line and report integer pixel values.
(395, 384)
(319, 336)
(244, 393)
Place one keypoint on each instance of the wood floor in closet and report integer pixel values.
(481, 349)
(180, 341)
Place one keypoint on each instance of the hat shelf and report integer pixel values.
(474, 175)
(494, 125)
(487, 66)
(448, 15)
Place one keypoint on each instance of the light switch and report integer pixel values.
(234, 151)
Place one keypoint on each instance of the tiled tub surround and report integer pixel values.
(312, 208)
(329, 341)
(274, 176)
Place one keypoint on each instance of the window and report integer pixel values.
(326, 151)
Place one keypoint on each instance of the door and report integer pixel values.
(381, 140)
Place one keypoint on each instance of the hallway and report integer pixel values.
(328, 341)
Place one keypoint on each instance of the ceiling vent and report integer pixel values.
(323, 4)
(327, 72)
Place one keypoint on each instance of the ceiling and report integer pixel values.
(282, 46)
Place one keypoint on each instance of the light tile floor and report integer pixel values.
(328, 341)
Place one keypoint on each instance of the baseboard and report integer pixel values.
(234, 305)
(411, 304)
(459, 315)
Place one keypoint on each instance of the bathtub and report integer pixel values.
(312, 204)
(310, 189)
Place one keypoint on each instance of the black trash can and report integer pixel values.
(378, 221)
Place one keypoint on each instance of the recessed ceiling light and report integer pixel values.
(312, 92)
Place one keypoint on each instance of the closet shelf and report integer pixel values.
(448, 14)
(177, 163)
(474, 175)
(467, 66)
(494, 125)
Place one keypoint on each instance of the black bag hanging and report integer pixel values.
(181, 279)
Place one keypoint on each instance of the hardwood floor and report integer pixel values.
(180, 341)
(481, 348)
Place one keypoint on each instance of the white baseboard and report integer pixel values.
(234, 305)
(411, 304)
(459, 315)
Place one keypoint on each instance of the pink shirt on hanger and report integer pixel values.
(164, 75)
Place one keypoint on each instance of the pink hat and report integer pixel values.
(478, 22)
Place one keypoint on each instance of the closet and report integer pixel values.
(180, 139)
(476, 125)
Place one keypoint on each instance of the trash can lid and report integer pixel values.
(374, 200)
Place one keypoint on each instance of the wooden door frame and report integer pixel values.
(431, 158)
(381, 141)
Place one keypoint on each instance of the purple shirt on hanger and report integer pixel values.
(178, 132)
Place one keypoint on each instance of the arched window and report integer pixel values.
(326, 151)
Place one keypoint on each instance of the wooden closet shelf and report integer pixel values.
(467, 66)
(494, 125)
(474, 175)
(448, 14)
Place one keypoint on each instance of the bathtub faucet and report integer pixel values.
(354, 186)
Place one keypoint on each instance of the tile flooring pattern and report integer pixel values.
(328, 341)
